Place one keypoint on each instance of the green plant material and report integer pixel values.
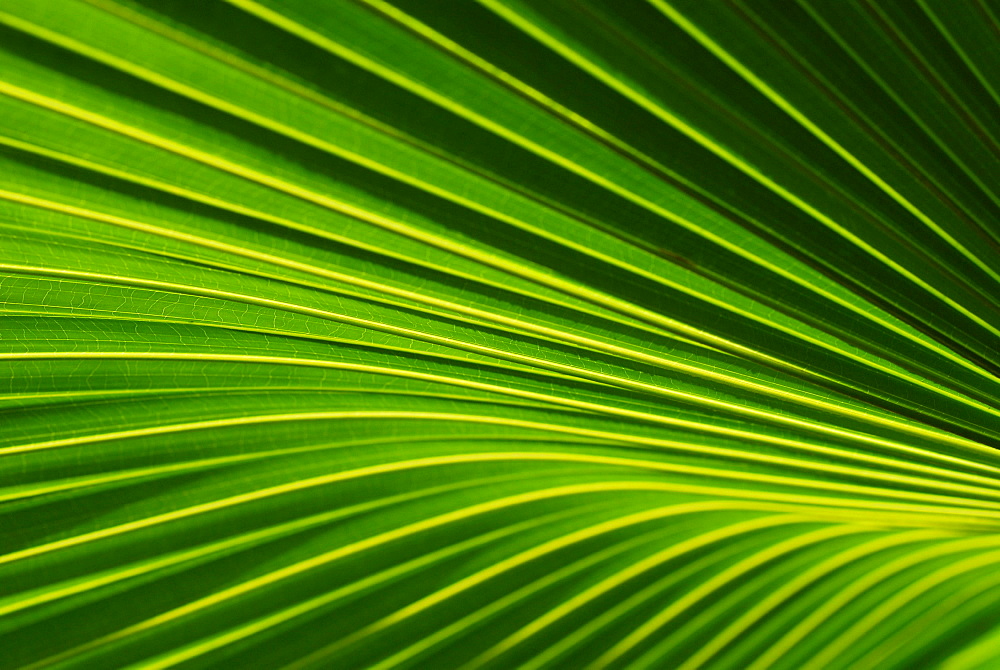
(500, 333)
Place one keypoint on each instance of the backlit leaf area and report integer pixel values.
(454, 334)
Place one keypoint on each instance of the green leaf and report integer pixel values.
(499, 333)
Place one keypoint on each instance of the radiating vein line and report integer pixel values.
(318, 232)
(724, 453)
(837, 509)
(516, 358)
(290, 571)
(893, 604)
(570, 288)
(795, 445)
(640, 567)
(461, 249)
(723, 579)
(593, 624)
(509, 465)
(322, 41)
(970, 596)
(48, 487)
(862, 119)
(531, 94)
(817, 617)
(275, 79)
(52, 592)
(960, 50)
(334, 149)
(469, 622)
(457, 51)
(907, 108)
(262, 625)
(453, 590)
(725, 154)
(771, 94)
(398, 227)
(727, 533)
(724, 344)
(545, 331)
(783, 594)
(932, 76)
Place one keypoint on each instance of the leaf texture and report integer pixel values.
(499, 333)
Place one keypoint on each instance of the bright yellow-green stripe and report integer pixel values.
(383, 222)
(50, 593)
(568, 115)
(334, 149)
(319, 232)
(720, 151)
(696, 449)
(716, 556)
(955, 44)
(971, 596)
(702, 38)
(871, 128)
(311, 140)
(671, 324)
(931, 73)
(202, 647)
(794, 636)
(837, 509)
(333, 555)
(722, 579)
(624, 575)
(471, 581)
(895, 603)
(774, 600)
(725, 453)
(888, 90)
(11, 493)
(496, 570)
(544, 331)
(555, 370)
(457, 627)
(522, 88)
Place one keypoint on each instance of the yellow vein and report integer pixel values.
(715, 557)
(376, 541)
(460, 626)
(491, 259)
(746, 168)
(931, 74)
(723, 579)
(322, 41)
(547, 332)
(497, 570)
(295, 225)
(864, 584)
(860, 117)
(896, 98)
(871, 620)
(802, 581)
(635, 570)
(795, 445)
(971, 597)
(876, 511)
(77, 484)
(450, 47)
(782, 103)
(90, 582)
(469, 58)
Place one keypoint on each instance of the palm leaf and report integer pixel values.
(499, 333)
